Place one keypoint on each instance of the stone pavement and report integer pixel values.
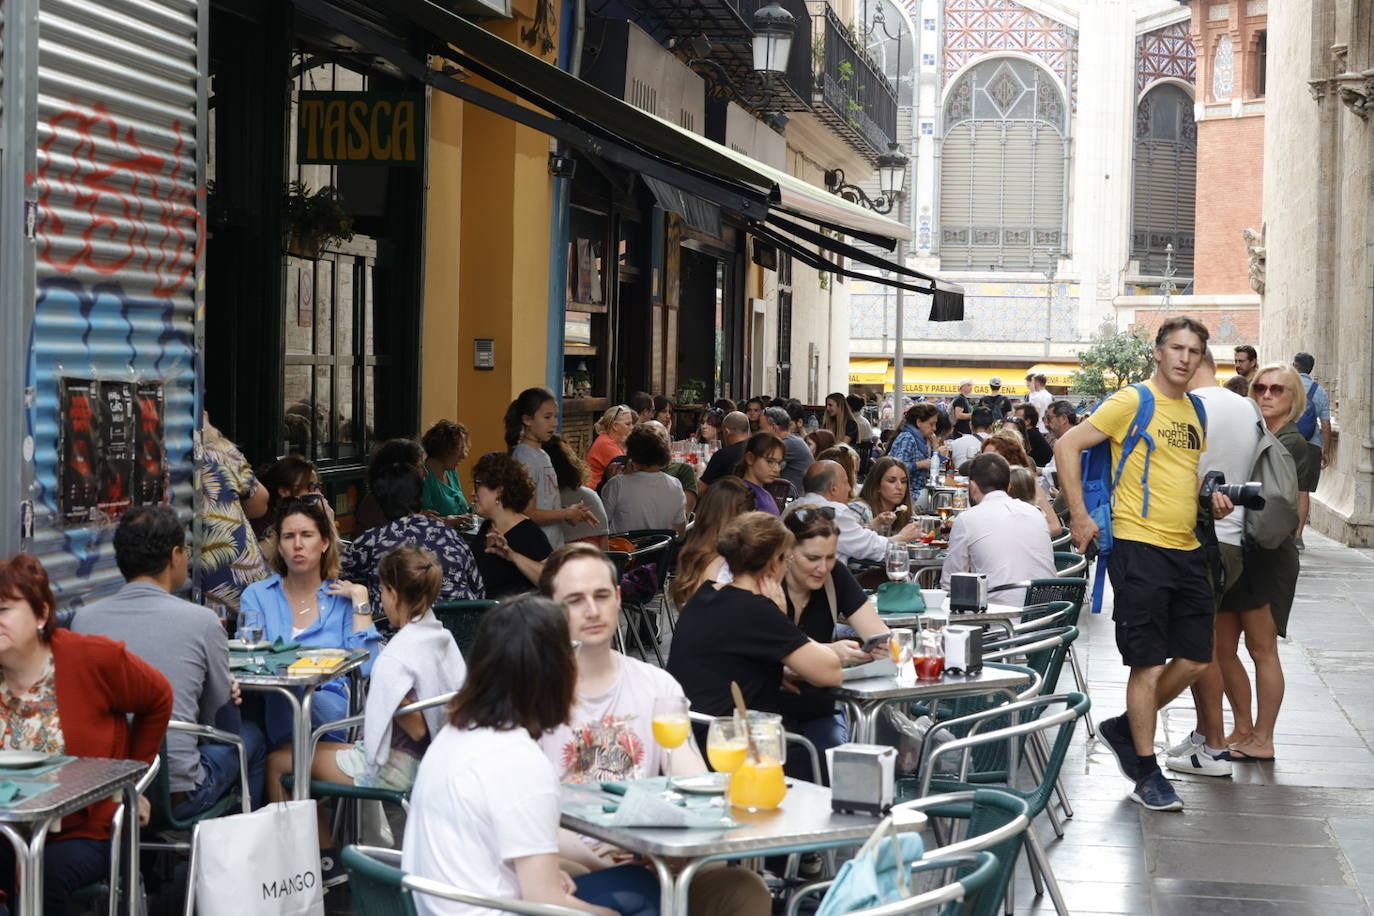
(1291, 837)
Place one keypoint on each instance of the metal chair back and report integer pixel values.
(375, 879)
(1069, 565)
(461, 618)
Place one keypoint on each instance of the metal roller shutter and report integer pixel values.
(117, 192)
(1164, 184)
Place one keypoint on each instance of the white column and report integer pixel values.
(927, 100)
(1104, 128)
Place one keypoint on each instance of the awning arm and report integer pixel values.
(740, 198)
(858, 254)
(946, 304)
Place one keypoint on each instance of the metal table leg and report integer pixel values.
(667, 902)
(300, 737)
(29, 866)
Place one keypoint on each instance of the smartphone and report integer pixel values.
(874, 642)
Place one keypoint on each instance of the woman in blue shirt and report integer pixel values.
(306, 602)
(912, 444)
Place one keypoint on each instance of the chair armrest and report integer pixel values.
(148, 776)
(795, 901)
(416, 884)
(1007, 733)
(224, 737)
(351, 721)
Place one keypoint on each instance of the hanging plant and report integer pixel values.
(312, 221)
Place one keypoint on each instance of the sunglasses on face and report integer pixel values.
(1262, 389)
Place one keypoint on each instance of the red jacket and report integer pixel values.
(99, 682)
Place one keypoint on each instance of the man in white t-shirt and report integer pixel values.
(966, 448)
(610, 737)
(1039, 397)
(1232, 437)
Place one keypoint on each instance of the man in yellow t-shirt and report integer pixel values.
(1162, 592)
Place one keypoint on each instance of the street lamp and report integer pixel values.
(774, 28)
(891, 179)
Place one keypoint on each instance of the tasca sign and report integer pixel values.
(360, 128)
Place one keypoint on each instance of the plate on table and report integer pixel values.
(701, 784)
(16, 760)
(238, 645)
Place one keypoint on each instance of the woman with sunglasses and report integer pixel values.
(615, 424)
(764, 456)
(1259, 602)
(734, 633)
(818, 592)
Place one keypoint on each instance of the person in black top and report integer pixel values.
(737, 632)
(819, 592)
(1041, 452)
(839, 419)
(997, 402)
(961, 411)
(515, 547)
(734, 433)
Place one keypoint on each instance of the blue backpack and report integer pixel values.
(1307, 423)
(1100, 480)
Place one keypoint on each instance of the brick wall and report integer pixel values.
(1230, 194)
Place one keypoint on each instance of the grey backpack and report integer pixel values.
(1274, 469)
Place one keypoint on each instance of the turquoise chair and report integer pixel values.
(381, 888)
(461, 618)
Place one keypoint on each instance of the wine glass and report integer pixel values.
(251, 627)
(900, 649)
(671, 726)
(898, 562)
(726, 746)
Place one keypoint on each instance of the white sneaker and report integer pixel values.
(1185, 747)
(1198, 761)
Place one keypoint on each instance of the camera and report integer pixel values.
(1241, 494)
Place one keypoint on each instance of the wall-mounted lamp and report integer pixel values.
(891, 180)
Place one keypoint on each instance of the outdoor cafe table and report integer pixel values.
(802, 823)
(864, 697)
(76, 784)
(1001, 615)
(287, 685)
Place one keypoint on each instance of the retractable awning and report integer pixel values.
(603, 125)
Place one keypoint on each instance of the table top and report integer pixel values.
(79, 783)
(803, 820)
(355, 661)
(949, 685)
(996, 613)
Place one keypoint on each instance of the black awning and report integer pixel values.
(695, 212)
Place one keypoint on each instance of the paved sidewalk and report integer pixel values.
(1292, 837)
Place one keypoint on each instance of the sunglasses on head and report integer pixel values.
(1262, 389)
(808, 514)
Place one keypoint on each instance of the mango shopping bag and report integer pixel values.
(262, 864)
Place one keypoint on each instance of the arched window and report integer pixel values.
(1165, 184)
(1002, 169)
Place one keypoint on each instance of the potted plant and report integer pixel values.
(312, 221)
(691, 391)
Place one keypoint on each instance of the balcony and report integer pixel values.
(851, 95)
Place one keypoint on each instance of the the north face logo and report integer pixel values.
(1182, 435)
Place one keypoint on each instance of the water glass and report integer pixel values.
(251, 626)
(898, 562)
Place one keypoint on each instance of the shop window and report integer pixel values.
(1002, 169)
(1165, 181)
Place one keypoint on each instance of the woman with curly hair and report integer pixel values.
(446, 444)
(515, 546)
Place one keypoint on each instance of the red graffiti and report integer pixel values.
(135, 208)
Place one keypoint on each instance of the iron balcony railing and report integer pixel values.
(851, 95)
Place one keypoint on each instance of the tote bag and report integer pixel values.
(262, 864)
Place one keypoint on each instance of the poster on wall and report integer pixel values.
(150, 468)
(113, 453)
(78, 483)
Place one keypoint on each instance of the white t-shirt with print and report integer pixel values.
(467, 821)
(546, 495)
(611, 737)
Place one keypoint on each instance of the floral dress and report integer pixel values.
(31, 722)
(230, 559)
(909, 447)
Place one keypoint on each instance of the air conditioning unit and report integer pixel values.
(629, 64)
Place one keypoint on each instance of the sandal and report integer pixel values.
(1235, 755)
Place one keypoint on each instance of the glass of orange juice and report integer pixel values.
(671, 726)
(725, 744)
(758, 784)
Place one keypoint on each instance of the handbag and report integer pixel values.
(262, 864)
(900, 598)
(878, 874)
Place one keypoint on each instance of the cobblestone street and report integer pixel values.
(1291, 837)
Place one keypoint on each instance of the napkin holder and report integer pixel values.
(968, 592)
(963, 649)
(861, 778)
